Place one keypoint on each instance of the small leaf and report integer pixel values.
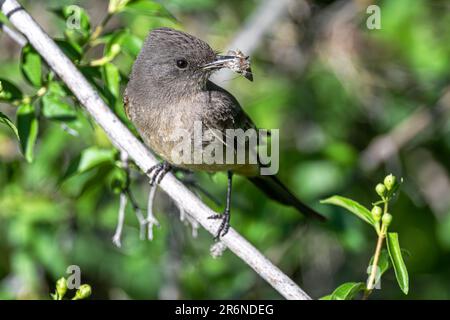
(132, 44)
(27, 127)
(118, 180)
(352, 206)
(116, 6)
(347, 291)
(401, 273)
(148, 8)
(55, 108)
(128, 42)
(111, 76)
(93, 157)
(89, 159)
(31, 66)
(4, 119)
(327, 297)
(8, 91)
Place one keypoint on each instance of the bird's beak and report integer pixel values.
(219, 62)
(230, 62)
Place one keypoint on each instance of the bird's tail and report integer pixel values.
(277, 191)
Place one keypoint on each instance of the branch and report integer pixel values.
(387, 145)
(257, 25)
(16, 36)
(125, 141)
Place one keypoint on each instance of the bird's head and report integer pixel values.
(173, 58)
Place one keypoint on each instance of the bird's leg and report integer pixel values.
(158, 171)
(225, 225)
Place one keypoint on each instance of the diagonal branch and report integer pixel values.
(385, 146)
(255, 28)
(124, 140)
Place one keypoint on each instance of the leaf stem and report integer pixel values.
(99, 29)
(376, 257)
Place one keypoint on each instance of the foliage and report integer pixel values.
(60, 176)
(379, 219)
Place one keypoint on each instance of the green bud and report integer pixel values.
(115, 49)
(380, 189)
(376, 213)
(386, 219)
(390, 182)
(61, 287)
(116, 5)
(83, 292)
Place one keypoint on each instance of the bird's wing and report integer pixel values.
(223, 111)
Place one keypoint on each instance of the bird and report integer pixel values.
(169, 91)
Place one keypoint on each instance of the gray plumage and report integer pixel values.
(163, 96)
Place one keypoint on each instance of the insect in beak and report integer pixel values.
(235, 60)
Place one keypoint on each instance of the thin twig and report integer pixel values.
(385, 146)
(151, 219)
(121, 218)
(376, 256)
(16, 36)
(259, 23)
(124, 140)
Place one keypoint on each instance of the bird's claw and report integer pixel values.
(224, 225)
(157, 172)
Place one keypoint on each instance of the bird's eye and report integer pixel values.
(182, 63)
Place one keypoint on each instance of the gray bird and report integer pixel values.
(169, 90)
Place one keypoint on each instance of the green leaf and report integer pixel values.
(4, 119)
(27, 127)
(31, 65)
(129, 43)
(352, 206)
(327, 297)
(347, 291)
(93, 157)
(148, 8)
(54, 105)
(56, 109)
(111, 76)
(89, 159)
(401, 273)
(118, 180)
(8, 91)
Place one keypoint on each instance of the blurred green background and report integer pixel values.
(332, 86)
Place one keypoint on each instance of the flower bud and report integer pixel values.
(376, 213)
(61, 287)
(115, 49)
(83, 292)
(386, 219)
(380, 189)
(390, 181)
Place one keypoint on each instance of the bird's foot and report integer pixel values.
(158, 171)
(224, 226)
